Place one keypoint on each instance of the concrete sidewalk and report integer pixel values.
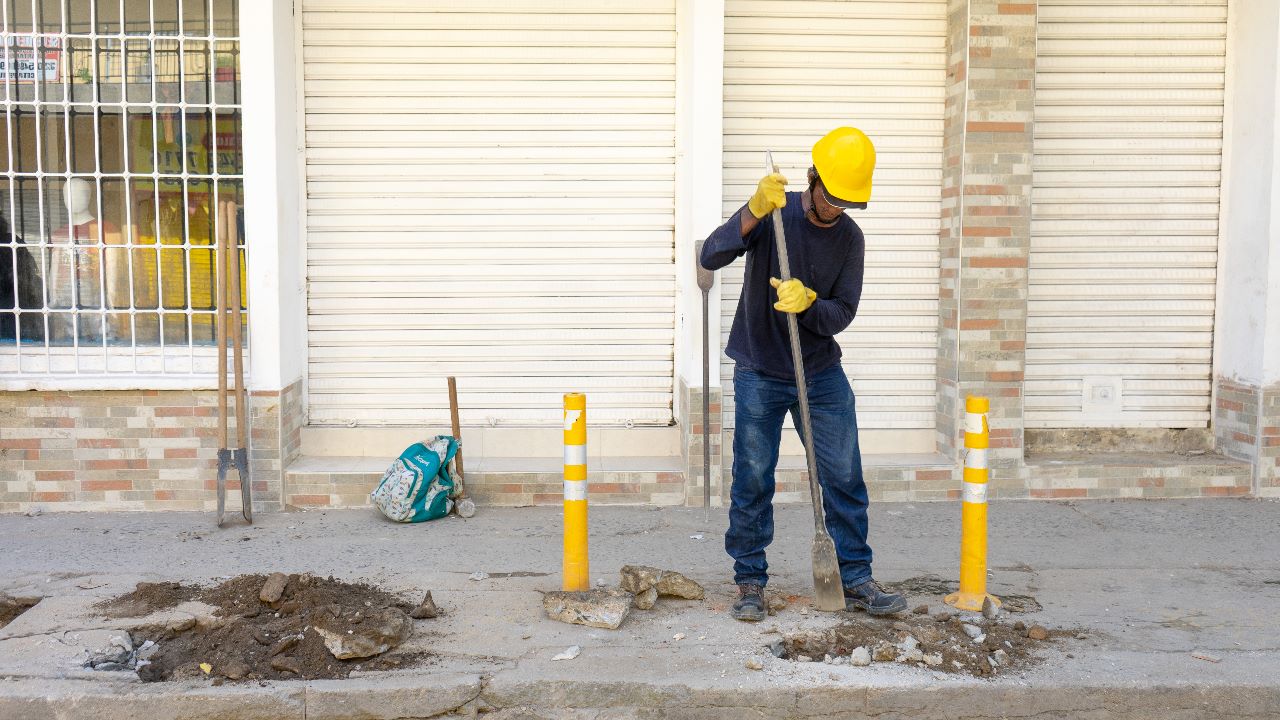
(1150, 583)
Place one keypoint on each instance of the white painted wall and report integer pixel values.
(699, 143)
(273, 234)
(1247, 333)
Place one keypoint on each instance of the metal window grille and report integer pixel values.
(123, 135)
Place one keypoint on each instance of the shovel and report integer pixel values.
(227, 279)
(828, 590)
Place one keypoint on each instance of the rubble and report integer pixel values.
(569, 653)
(920, 642)
(273, 588)
(426, 609)
(646, 599)
(372, 635)
(602, 607)
(1037, 632)
(860, 657)
(639, 578)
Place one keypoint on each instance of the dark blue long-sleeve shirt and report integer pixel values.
(828, 261)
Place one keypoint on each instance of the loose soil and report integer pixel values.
(253, 640)
(940, 634)
(148, 598)
(11, 608)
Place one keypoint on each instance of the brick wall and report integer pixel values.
(985, 240)
(1269, 451)
(691, 441)
(135, 450)
(1246, 423)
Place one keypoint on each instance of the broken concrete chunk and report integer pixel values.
(989, 609)
(646, 599)
(972, 631)
(860, 657)
(286, 664)
(754, 664)
(602, 607)
(273, 588)
(381, 630)
(426, 609)
(933, 660)
(637, 578)
(569, 653)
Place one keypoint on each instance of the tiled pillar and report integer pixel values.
(1246, 366)
(985, 238)
(692, 441)
(699, 141)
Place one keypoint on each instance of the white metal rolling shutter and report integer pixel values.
(793, 71)
(490, 195)
(1124, 232)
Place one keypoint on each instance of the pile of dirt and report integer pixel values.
(257, 640)
(148, 598)
(947, 642)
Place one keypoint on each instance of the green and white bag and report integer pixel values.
(418, 485)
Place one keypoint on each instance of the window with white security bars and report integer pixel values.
(123, 141)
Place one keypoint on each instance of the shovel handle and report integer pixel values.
(797, 360)
(232, 251)
(453, 417)
(220, 320)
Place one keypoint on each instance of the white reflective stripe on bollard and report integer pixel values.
(975, 458)
(974, 493)
(575, 489)
(575, 454)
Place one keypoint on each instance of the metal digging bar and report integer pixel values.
(829, 592)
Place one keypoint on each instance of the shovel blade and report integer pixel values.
(828, 590)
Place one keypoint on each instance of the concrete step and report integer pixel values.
(334, 481)
(337, 481)
(1063, 475)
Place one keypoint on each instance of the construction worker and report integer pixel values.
(826, 255)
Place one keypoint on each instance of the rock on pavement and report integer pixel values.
(602, 607)
(638, 578)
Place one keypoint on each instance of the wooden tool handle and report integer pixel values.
(233, 291)
(220, 320)
(453, 416)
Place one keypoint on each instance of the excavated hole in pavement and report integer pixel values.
(938, 642)
(253, 640)
(11, 608)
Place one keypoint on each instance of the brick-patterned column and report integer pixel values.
(986, 228)
(691, 441)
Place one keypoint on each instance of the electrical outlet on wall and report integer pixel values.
(1101, 396)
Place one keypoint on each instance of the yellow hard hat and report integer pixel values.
(845, 159)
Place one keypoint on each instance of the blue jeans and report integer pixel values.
(761, 404)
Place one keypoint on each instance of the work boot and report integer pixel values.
(750, 606)
(871, 597)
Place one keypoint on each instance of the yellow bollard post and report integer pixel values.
(973, 513)
(577, 574)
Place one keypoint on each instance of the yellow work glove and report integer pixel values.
(793, 296)
(770, 194)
